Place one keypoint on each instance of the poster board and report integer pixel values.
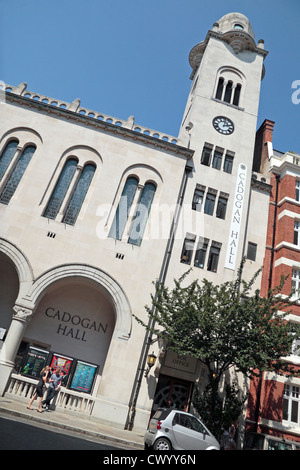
(83, 377)
(63, 362)
(34, 362)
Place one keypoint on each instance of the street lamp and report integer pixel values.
(150, 363)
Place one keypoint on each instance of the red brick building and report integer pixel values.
(274, 401)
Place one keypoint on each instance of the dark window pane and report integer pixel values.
(213, 259)
(228, 162)
(236, 97)
(187, 251)
(294, 414)
(123, 208)
(221, 208)
(217, 160)
(209, 204)
(141, 216)
(61, 189)
(228, 92)
(197, 199)
(16, 174)
(200, 255)
(251, 252)
(206, 155)
(79, 194)
(220, 88)
(285, 409)
(7, 156)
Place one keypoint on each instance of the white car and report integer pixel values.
(173, 429)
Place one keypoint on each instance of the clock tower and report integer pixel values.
(219, 124)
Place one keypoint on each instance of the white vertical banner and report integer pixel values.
(236, 218)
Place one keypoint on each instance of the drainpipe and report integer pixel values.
(274, 232)
(161, 280)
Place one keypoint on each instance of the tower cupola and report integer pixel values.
(234, 29)
(234, 22)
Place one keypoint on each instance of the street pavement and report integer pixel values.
(83, 426)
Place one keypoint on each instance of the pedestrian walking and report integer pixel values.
(54, 385)
(40, 388)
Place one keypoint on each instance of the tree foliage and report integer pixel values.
(219, 413)
(226, 325)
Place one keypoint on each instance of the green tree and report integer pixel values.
(219, 413)
(225, 326)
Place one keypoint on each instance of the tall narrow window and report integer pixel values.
(187, 249)
(61, 189)
(228, 92)
(220, 88)
(16, 174)
(201, 252)
(79, 194)
(221, 207)
(7, 156)
(213, 259)
(228, 163)
(123, 208)
(297, 192)
(291, 401)
(251, 252)
(217, 160)
(198, 199)
(209, 204)
(141, 216)
(206, 156)
(296, 233)
(296, 283)
(236, 96)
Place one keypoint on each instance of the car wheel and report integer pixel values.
(162, 444)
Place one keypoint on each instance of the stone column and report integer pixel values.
(12, 342)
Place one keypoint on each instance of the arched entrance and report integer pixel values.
(72, 310)
(77, 311)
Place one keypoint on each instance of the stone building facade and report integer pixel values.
(94, 209)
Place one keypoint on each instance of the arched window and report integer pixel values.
(228, 92)
(237, 92)
(16, 174)
(228, 86)
(123, 208)
(79, 194)
(219, 92)
(61, 189)
(7, 156)
(141, 216)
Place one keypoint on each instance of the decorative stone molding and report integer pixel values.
(75, 111)
(21, 264)
(22, 314)
(238, 40)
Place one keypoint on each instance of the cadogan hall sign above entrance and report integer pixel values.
(74, 326)
(236, 220)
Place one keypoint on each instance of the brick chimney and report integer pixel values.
(263, 146)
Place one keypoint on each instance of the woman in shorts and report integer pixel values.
(40, 388)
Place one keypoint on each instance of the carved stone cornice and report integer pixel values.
(238, 40)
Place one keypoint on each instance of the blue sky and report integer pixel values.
(130, 57)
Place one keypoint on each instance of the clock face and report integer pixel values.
(223, 125)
